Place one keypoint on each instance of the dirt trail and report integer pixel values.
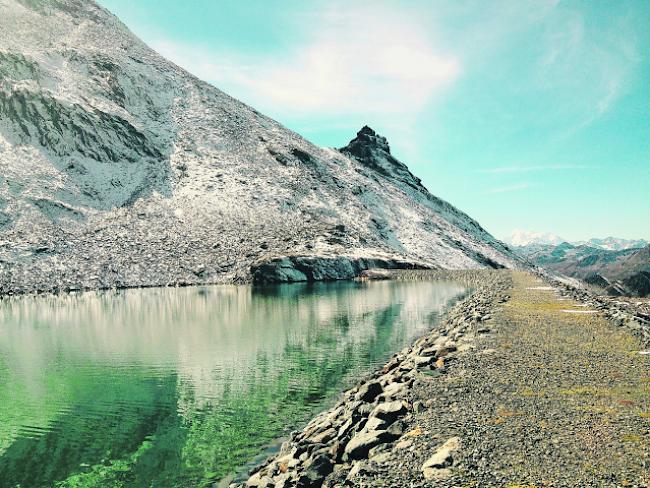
(553, 395)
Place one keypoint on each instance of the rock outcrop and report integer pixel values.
(373, 151)
(290, 269)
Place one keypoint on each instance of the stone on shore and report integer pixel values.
(437, 466)
(362, 442)
(389, 411)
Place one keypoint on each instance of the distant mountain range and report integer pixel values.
(624, 271)
(521, 238)
(526, 237)
(118, 168)
(614, 244)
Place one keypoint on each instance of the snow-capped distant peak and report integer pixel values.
(521, 237)
(615, 244)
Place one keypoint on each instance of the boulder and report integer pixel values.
(362, 442)
(316, 470)
(389, 411)
(394, 390)
(437, 466)
(368, 391)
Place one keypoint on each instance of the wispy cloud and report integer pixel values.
(511, 188)
(390, 67)
(587, 69)
(530, 169)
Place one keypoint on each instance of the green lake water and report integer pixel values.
(182, 387)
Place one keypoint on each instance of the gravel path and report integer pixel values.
(548, 398)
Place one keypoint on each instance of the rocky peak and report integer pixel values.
(373, 151)
(366, 142)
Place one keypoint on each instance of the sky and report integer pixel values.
(526, 114)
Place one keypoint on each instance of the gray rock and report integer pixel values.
(437, 466)
(419, 406)
(423, 361)
(358, 468)
(429, 351)
(319, 268)
(324, 436)
(375, 423)
(316, 470)
(362, 442)
(345, 428)
(369, 391)
(278, 271)
(259, 481)
(394, 390)
(389, 411)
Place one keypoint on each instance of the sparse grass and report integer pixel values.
(506, 413)
(565, 402)
(529, 392)
(578, 379)
(631, 438)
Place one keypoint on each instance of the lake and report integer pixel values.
(180, 387)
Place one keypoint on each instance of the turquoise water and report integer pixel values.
(182, 387)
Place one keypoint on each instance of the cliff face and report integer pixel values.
(121, 169)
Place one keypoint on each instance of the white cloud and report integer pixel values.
(529, 169)
(511, 188)
(365, 59)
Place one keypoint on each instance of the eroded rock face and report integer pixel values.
(639, 283)
(292, 269)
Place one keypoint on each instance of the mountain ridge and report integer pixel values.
(614, 272)
(523, 238)
(122, 169)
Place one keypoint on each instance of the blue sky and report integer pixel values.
(525, 114)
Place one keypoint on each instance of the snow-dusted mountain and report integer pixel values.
(521, 237)
(616, 272)
(121, 169)
(614, 244)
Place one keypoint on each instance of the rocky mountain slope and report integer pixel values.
(121, 169)
(616, 272)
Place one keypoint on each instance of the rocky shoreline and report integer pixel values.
(371, 417)
(374, 423)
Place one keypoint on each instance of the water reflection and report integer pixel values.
(178, 387)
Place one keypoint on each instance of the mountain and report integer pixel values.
(539, 240)
(615, 244)
(121, 169)
(619, 272)
(526, 238)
